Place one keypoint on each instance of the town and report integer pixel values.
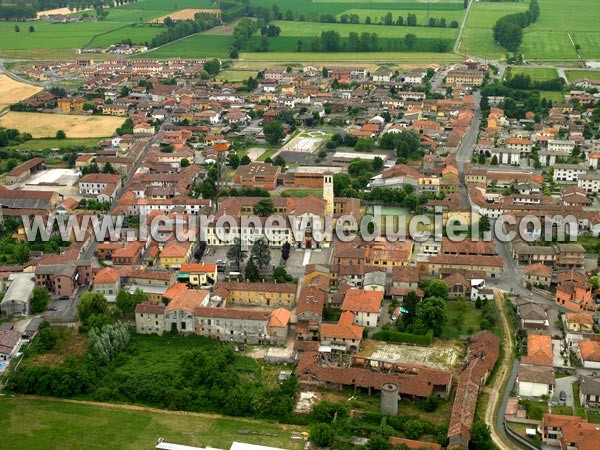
(167, 268)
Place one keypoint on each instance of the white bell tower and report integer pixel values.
(328, 193)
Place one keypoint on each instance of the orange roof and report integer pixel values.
(414, 445)
(187, 300)
(175, 250)
(589, 350)
(357, 300)
(344, 329)
(580, 317)
(107, 275)
(280, 318)
(199, 268)
(539, 350)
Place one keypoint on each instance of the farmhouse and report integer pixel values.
(24, 171)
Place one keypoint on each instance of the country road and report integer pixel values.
(496, 389)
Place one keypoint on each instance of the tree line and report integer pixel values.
(508, 30)
(181, 29)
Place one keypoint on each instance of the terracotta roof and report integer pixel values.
(589, 350)
(344, 329)
(357, 300)
(581, 317)
(259, 287)
(539, 350)
(536, 374)
(107, 275)
(187, 300)
(280, 318)
(150, 308)
(198, 268)
(232, 313)
(538, 269)
(414, 445)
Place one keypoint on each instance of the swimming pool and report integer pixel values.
(3, 365)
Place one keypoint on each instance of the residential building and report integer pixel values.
(365, 305)
(574, 296)
(150, 318)
(179, 313)
(569, 432)
(535, 381)
(107, 282)
(580, 321)
(589, 352)
(344, 336)
(198, 275)
(589, 392)
(259, 294)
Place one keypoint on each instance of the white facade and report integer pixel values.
(589, 182)
(530, 389)
(568, 173)
(562, 146)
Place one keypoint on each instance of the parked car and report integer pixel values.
(562, 396)
(64, 297)
(52, 308)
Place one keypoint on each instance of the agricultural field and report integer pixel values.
(536, 73)
(547, 45)
(182, 14)
(45, 125)
(377, 57)
(12, 91)
(574, 75)
(377, 15)
(195, 46)
(41, 423)
(137, 34)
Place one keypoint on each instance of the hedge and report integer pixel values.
(409, 338)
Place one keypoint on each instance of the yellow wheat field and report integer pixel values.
(46, 125)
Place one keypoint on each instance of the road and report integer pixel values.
(465, 149)
(20, 79)
(499, 384)
(462, 27)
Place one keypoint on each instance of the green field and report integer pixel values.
(536, 73)
(574, 75)
(48, 144)
(195, 46)
(547, 45)
(45, 424)
(377, 57)
(314, 29)
(138, 35)
(377, 15)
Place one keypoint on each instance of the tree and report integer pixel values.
(40, 300)
(465, 4)
(31, 28)
(436, 288)
(273, 132)
(481, 438)
(261, 252)
(60, 134)
(285, 250)
(494, 161)
(233, 160)
(17, 29)
(235, 252)
(410, 40)
(378, 442)
(264, 207)
(212, 67)
(321, 434)
(108, 168)
(377, 164)
(280, 275)
(245, 160)
(432, 313)
(90, 304)
(251, 273)
(484, 223)
(185, 162)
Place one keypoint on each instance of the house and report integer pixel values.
(255, 174)
(17, 299)
(580, 321)
(197, 275)
(179, 313)
(568, 173)
(278, 326)
(539, 350)
(232, 324)
(24, 170)
(108, 282)
(344, 335)
(153, 283)
(259, 294)
(537, 275)
(93, 184)
(569, 432)
(365, 305)
(589, 392)
(535, 381)
(589, 352)
(574, 295)
(9, 343)
(150, 318)
(129, 254)
(532, 315)
(174, 254)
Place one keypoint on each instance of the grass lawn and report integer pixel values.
(555, 96)
(593, 416)
(301, 192)
(536, 73)
(563, 410)
(377, 15)
(590, 243)
(471, 317)
(535, 410)
(41, 424)
(138, 35)
(236, 75)
(574, 75)
(48, 144)
(267, 154)
(485, 14)
(547, 45)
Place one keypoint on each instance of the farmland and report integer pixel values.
(45, 125)
(574, 75)
(46, 423)
(12, 91)
(536, 73)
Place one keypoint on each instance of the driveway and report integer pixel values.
(557, 359)
(566, 384)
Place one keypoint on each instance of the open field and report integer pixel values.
(536, 73)
(46, 125)
(310, 29)
(547, 45)
(236, 75)
(574, 75)
(12, 91)
(45, 423)
(377, 15)
(195, 46)
(378, 57)
(65, 10)
(182, 14)
(50, 143)
(137, 34)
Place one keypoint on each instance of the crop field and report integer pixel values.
(314, 29)
(377, 15)
(574, 75)
(546, 45)
(536, 73)
(195, 46)
(45, 423)
(45, 125)
(182, 14)
(12, 91)
(376, 57)
(138, 35)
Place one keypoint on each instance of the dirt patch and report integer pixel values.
(12, 91)
(63, 11)
(184, 14)
(225, 30)
(75, 126)
(74, 344)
